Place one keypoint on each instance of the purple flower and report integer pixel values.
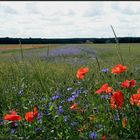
(105, 70)
(40, 115)
(75, 96)
(71, 99)
(93, 135)
(60, 110)
(78, 91)
(55, 97)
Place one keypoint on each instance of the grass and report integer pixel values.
(33, 81)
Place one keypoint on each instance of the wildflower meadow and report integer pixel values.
(78, 97)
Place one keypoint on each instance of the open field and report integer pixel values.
(103, 51)
(44, 79)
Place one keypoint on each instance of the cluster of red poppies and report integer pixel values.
(29, 116)
(117, 98)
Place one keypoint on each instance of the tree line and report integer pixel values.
(8, 40)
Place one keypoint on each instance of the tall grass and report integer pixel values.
(24, 84)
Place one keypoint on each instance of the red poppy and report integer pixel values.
(12, 116)
(29, 116)
(128, 83)
(105, 88)
(135, 99)
(117, 100)
(74, 106)
(118, 69)
(109, 90)
(81, 72)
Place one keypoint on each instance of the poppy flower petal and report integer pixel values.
(29, 116)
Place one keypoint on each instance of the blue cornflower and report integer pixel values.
(93, 135)
(105, 70)
(78, 91)
(75, 96)
(40, 115)
(71, 99)
(55, 97)
(60, 110)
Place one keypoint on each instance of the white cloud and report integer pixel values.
(69, 19)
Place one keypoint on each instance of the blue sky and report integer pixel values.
(67, 19)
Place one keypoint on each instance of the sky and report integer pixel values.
(69, 19)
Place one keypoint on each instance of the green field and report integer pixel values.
(35, 75)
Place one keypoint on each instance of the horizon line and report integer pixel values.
(70, 37)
